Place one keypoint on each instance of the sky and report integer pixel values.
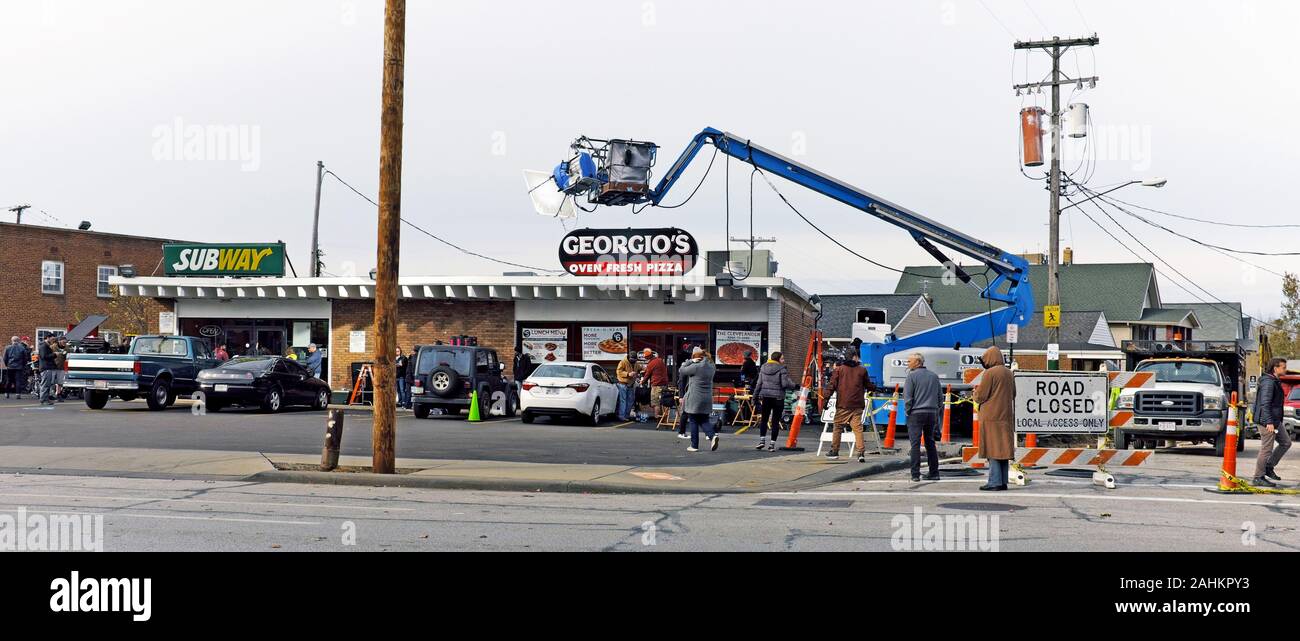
(204, 121)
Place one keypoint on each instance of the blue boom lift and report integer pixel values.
(617, 172)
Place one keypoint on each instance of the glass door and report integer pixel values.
(240, 341)
(270, 342)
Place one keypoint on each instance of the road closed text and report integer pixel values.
(1061, 402)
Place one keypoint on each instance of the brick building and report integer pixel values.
(550, 317)
(53, 277)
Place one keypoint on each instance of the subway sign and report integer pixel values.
(628, 252)
(239, 259)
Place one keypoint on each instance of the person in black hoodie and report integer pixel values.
(1269, 401)
(48, 362)
(773, 382)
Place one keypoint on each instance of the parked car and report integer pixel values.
(567, 390)
(156, 367)
(1291, 410)
(269, 382)
(445, 377)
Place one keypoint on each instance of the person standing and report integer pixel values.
(749, 370)
(995, 400)
(849, 380)
(313, 360)
(770, 385)
(403, 385)
(60, 369)
(221, 354)
(626, 374)
(47, 360)
(921, 402)
(656, 370)
(1269, 402)
(523, 365)
(16, 358)
(697, 403)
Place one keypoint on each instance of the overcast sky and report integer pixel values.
(910, 100)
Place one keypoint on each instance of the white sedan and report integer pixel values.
(564, 389)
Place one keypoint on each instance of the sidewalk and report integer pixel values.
(786, 473)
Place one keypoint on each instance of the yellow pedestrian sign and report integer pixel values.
(1052, 316)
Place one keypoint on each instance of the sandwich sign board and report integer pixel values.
(1062, 402)
(234, 259)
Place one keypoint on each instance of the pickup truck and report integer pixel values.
(155, 367)
(1189, 402)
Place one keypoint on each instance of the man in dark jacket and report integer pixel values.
(773, 380)
(921, 402)
(16, 358)
(1269, 401)
(748, 370)
(656, 372)
(47, 360)
(849, 381)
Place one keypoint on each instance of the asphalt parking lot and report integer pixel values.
(301, 431)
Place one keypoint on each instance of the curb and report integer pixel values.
(817, 479)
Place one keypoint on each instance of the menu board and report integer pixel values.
(604, 343)
(731, 346)
(545, 345)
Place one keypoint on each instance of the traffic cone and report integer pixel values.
(474, 416)
(975, 434)
(893, 421)
(1226, 478)
(946, 437)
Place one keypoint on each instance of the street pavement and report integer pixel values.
(1163, 507)
(299, 431)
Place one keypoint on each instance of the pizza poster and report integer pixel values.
(604, 343)
(545, 345)
(732, 345)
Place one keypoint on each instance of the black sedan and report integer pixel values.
(268, 382)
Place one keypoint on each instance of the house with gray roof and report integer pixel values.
(906, 314)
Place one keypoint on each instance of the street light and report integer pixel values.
(1150, 182)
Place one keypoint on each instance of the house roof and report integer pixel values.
(1080, 331)
(1121, 290)
(839, 312)
(1176, 316)
(1219, 321)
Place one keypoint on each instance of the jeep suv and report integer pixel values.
(446, 376)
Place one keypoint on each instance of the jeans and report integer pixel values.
(626, 399)
(47, 385)
(697, 421)
(403, 392)
(1268, 457)
(998, 472)
(920, 425)
(769, 416)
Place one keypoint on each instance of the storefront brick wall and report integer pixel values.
(24, 247)
(422, 323)
(797, 318)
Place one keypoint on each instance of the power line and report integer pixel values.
(439, 239)
(1197, 241)
(1202, 220)
(998, 20)
(1036, 16)
(1167, 277)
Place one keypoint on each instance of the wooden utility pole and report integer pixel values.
(383, 439)
(1056, 47)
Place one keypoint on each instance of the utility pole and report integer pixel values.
(752, 241)
(383, 438)
(1056, 47)
(19, 211)
(313, 268)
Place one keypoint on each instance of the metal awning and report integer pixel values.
(458, 288)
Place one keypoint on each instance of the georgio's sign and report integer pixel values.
(224, 260)
(628, 252)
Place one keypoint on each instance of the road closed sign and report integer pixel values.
(1062, 402)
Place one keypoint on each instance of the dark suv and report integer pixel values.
(445, 377)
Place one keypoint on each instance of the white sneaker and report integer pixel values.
(684, 436)
(692, 449)
(762, 444)
(713, 447)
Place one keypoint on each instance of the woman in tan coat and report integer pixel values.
(996, 397)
